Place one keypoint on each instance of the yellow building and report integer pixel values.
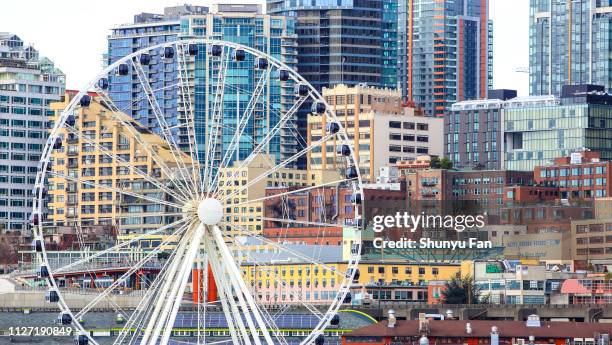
(289, 282)
(106, 155)
(231, 182)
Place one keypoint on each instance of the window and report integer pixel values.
(395, 124)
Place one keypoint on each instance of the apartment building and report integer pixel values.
(99, 156)
(381, 131)
(29, 83)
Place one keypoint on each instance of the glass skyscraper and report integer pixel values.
(28, 85)
(344, 41)
(244, 24)
(569, 43)
(445, 52)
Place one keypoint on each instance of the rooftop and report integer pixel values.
(482, 329)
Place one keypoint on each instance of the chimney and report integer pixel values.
(468, 328)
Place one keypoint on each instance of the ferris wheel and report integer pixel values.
(215, 169)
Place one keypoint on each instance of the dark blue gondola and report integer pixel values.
(82, 340)
(123, 69)
(70, 120)
(42, 272)
(351, 172)
(238, 55)
(57, 144)
(37, 246)
(168, 53)
(343, 150)
(262, 63)
(51, 296)
(64, 319)
(356, 198)
(215, 50)
(192, 49)
(320, 340)
(103, 83)
(85, 101)
(283, 75)
(301, 90)
(145, 59)
(347, 298)
(318, 108)
(335, 321)
(332, 128)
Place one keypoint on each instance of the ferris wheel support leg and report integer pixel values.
(187, 263)
(233, 270)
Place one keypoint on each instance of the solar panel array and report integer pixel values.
(217, 320)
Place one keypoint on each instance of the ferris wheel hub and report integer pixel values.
(210, 211)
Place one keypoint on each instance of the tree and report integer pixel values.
(440, 163)
(462, 291)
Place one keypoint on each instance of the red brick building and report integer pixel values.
(581, 176)
(305, 235)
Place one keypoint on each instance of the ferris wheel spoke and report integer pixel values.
(294, 191)
(239, 284)
(185, 94)
(229, 307)
(124, 276)
(234, 145)
(217, 113)
(164, 294)
(116, 190)
(145, 308)
(266, 140)
(181, 186)
(167, 134)
(124, 163)
(279, 166)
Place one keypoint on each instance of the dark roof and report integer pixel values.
(482, 328)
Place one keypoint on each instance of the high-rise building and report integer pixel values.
(569, 44)
(381, 130)
(244, 24)
(344, 41)
(472, 131)
(445, 52)
(28, 84)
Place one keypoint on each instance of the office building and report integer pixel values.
(568, 44)
(473, 132)
(539, 129)
(445, 52)
(28, 85)
(591, 242)
(383, 131)
(344, 42)
(104, 156)
(244, 24)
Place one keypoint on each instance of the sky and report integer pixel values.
(73, 33)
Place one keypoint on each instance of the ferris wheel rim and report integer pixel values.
(72, 106)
